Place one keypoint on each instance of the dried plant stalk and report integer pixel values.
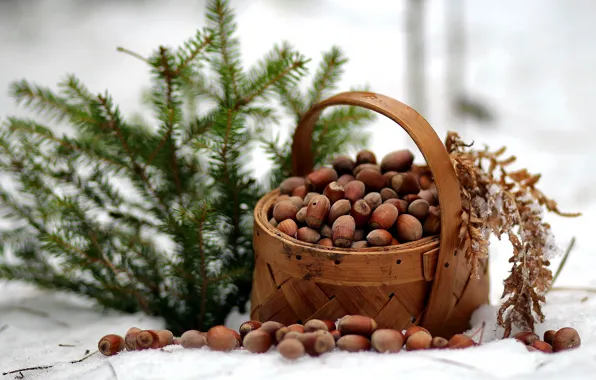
(501, 202)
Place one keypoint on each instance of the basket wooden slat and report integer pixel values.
(426, 282)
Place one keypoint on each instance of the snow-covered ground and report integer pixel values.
(531, 61)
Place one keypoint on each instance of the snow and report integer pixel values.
(534, 67)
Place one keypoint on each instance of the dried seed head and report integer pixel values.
(308, 235)
(339, 208)
(387, 193)
(353, 343)
(288, 227)
(284, 210)
(405, 183)
(542, 346)
(399, 161)
(387, 340)
(130, 339)
(313, 325)
(326, 242)
(365, 157)
(361, 211)
(343, 164)
(357, 324)
(383, 217)
(373, 199)
(147, 339)
(300, 191)
(408, 228)
(372, 179)
(419, 209)
(257, 341)
(565, 339)
(247, 327)
(354, 190)
(317, 211)
(193, 339)
(432, 223)
(549, 336)
(379, 238)
(318, 179)
(334, 192)
(301, 215)
(110, 344)
(291, 349)
(359, 244)
(325, 343)
(345, 179)
(420, 340)
(289, 184)
(461, 341)
(361, 167)
(221, 338)
(439, 342)
(343, 231)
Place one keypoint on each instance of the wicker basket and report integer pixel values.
(426, 282)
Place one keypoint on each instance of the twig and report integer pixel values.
(573, 289)
(560, 268)
(66, 345)
(37, 368)
(132, 54)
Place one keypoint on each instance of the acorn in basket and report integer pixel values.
(360, 203)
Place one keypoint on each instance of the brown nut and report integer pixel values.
(301, 215)
(357, 324)
(387, 340)
(354, 191)
(549, 336)
(221, 338)
(336, 334)
(361, 211)
(439, 342)
(373, 180)
(345, 179)
(309, 197)
(320, 178)
(326, 231)
(334, 192)
(373, 199)
(387, 193)
(542, 346)
(419, 209)
(359, 234)
(257, 341)
(289, 184)
(353, 343)
(428, 196)
(420, 340)
(271, 327)
(330, 324)
(526, 337)
(325, 343)
(343, 231)
(400, 205)
(273, 222)
(339, 208)
(247, 327)
(361, 167)
(432, 223)
(313, 325)
(394, 241)
(388, 176)
(296, 327)
(284, 210)
(308, 235)
(300, 191)
(166, 337)
(383, 217)
(365, 157)
(193, 339)
(111, 344)
(326, 242)
(308, 340)
(399, 161)
(288, 227)
(461, 341)
(410, 197)
(405, 183)
(291, 349)
(130, 338)
(297, 201)
(147, 339)
(414, 329)
(408, 228)
(425, 181)
(379, 238)
(343, 165)
(317, 211)
(565, 339)
(360, 244)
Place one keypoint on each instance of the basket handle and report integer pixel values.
(441, 300)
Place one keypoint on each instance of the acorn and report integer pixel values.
(345, 179)
(193, 339)
(361, 211)
(410, 197)
(365, 157)
(420, 340)
(288, 227)
(313, 325)
(339, 208)
(147, 339)
(400, 204)
(439, 342)
(326, 242)
(399, 161)
(432, 223)
(408, 228)
(425, 181)
(388, 176)
(373, 199)
(291, 349)
(221, 338)
(343, 165)
(414, 329)
(359, 234)
(301, 215)
(360, 244)
(354, 190)
(379, 238)
(320, 178)
(419, 209)
(111, 344)
(461, 341)
(284, 210)
(308, 235)
(565, 339)
(549, 336)
(336, 334)
(130, 338)
(526, 337)
(353, 343)
(343, 231)
(334, 192)
(289, 184)
(387, 340)
(325, 231)
(324, 343)
(300, 191)
(428, 196)
(273, 222)
(357, 324)
(297, 201)
(166, 337)
(247, 327)
(405, 183)
(387, 193)
(383, 217)
(317, 211)
(257, 341)
(542, 346)
(373, 180)
(361, 167)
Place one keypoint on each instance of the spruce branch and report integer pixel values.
(328, 74)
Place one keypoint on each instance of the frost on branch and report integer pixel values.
(501, 202)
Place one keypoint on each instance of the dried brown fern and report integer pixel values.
(496, 201)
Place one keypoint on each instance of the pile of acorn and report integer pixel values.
(359, 204)
(353, 333)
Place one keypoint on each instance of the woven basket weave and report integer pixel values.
(426, 282)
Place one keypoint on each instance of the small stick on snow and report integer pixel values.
(573, 289)
(47, 366)
(560, 268)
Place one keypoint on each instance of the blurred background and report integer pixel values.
(518, 73)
